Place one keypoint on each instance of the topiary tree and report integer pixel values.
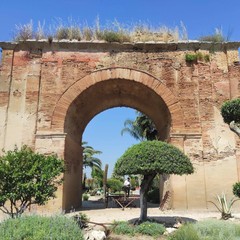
(27, 178)
(231, 114)
(149, 158)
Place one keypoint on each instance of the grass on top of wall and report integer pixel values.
(111, 32)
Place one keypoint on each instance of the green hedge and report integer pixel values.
(39, 228)
(208, 230)
(146, 228)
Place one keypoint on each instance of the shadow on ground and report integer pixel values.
(171, 221)
(99, 203)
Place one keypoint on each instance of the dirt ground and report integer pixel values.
(95, 210)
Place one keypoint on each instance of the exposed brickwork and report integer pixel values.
(49, 93)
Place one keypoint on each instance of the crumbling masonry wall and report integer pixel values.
(49, 93)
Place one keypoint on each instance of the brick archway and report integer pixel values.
(60, 111)
(99, 91)
(50, 92)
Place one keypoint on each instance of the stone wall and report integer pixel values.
(49, 93)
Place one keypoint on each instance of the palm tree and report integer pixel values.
(89, 160)
(142, 128)
(88, 157)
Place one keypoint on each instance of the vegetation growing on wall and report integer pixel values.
(111, 32)
(217, 36)
(114, 32)
(195, 57)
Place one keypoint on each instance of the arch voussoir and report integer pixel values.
(104, 75)
(149, 81)
(126, 73)
(166, 94)
(135, 75)
(177, 116)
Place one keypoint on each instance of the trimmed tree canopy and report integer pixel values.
(151, 157)
(231, 111)
(231, 114)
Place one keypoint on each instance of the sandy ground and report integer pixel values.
(96, 212)
(94, 209)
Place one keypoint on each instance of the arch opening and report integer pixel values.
(95, 99)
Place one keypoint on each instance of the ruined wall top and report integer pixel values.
(105, 46)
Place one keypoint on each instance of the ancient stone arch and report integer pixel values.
(120, 75)
(49, 93)
(107, 88)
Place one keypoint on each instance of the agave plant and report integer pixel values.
(224, 206)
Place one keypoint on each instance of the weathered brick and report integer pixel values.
(61, 90)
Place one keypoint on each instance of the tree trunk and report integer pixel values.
(235, 127)
(143, 196)
(105, 185)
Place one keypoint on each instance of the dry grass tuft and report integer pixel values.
(24, 32)
(112, 32)
(216, 37)
(145, 33)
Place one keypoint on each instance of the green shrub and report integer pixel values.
(236, 189)
(114, 184)
(27, 178)
(200, 56)
(217, 36)
(217, 230)
(85, 197)
(145, 228)
(62, 33)
(114, 36)
(150, 228)
(191, 57)
(186, 232)
(194, 57)
(38, 228)
(123, 228)
(212, 38)
(206, 58)
(207, 230)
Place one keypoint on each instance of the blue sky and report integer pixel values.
(200, 17)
